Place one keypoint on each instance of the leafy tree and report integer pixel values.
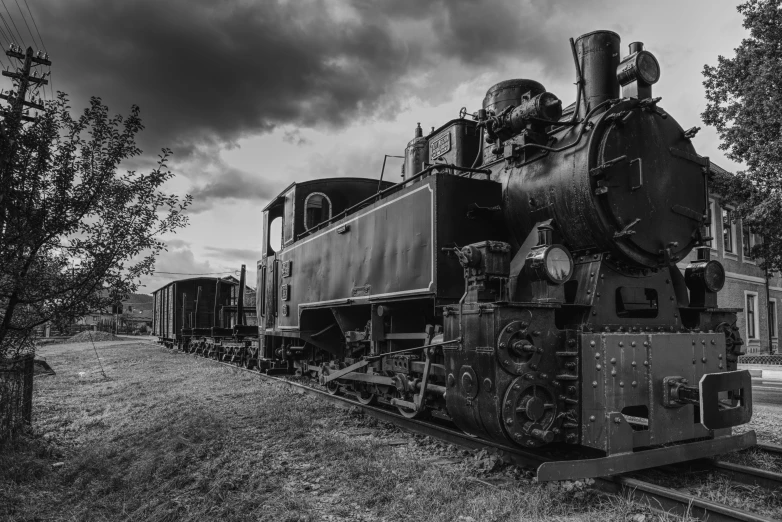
(76, 234)
(744, 104)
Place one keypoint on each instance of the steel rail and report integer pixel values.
(770, 448)
(658, 498)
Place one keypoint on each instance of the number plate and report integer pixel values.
(285, 291)
(286, 269)
(440, 146)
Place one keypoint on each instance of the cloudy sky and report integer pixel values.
(252, 95)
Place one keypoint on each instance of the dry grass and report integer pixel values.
(171, 437)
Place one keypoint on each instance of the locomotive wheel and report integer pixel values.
(332, 387)
(406, 412)
(410, 414)
(365, 397)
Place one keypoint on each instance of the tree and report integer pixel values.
(76, 234)
(744, 104)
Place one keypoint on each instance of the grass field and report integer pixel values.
(165, 436)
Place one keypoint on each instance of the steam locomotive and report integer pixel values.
(521, 281)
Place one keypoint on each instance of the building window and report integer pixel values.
(728, 231)
(751, 315)
(772, 316)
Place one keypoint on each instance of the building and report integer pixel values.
(747, 286)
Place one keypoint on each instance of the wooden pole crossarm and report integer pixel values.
(24, 102)
(31, 79)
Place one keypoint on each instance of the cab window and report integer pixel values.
(317, 209)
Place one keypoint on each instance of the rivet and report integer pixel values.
(693, 342)
(503, 346)
(613, 373)
(632, 364)
(635, 384)
(597, 355)
(693, 361)
(510, 329)
(613, 360)
(617, 420)
(517, 386)
(703, 341)
(646, 343)
(632, 343)
(713, 341)
(598, 367)
(671, 298)
(591, 418)
(719, 356)
(591, 343)
(594, 384)
(592, 274)
(676, 315)
(720, 366)
(646, 363)
(602, 276)
(703, 359)
(589, 292)
(594, 312)
(597, 294)
(621, 384)
(508, 421)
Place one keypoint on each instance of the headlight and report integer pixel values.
(553, 263)
(638, 66)
(705, 274)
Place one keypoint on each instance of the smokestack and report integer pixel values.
(240, 304)
(598, 56)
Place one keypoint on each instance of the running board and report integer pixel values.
(652, 458)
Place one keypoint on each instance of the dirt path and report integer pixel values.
(166, 436)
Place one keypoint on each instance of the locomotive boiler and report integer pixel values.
(521, 281)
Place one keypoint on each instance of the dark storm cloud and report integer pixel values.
(228, 183)
(208, 72)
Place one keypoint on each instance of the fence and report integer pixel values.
(761, 359)
(16, 394)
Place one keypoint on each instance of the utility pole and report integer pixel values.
(14, 117)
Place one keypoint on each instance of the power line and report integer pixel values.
(8, 40)
(8, 28)
(34, 24)
(25, 22)
(19, 34)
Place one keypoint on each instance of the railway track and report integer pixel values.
(659, 498)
